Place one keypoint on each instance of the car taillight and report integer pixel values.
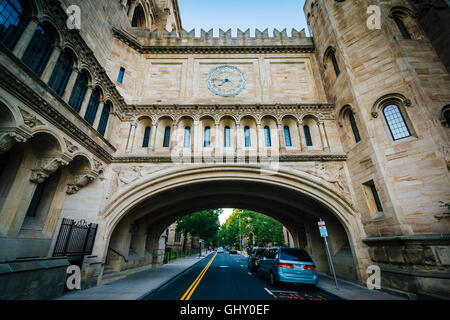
(308, 267)
(285, 265)
(257, 259)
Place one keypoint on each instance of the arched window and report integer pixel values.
(146, 140)
(138, 20)
(207, 140)
(267, 134)
(227, 138)
(14, 17)
(78, 92)
(104, 118)
(335, 64)
(187, 137)
(401, 26)
(93, 106)
(247, 137)
(308, 136)
(396, 122)
(61, 73)
(39, 50)
(166, 137)
(287, 136)
(355, 130)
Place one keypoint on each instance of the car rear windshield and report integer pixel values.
(259, 252)
(295, 255)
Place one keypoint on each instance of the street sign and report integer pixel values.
(323, 229)
(324, 235)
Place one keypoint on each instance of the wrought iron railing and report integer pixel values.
(75, 239)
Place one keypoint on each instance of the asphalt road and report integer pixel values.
(226, 277)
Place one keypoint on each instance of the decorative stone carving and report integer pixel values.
(70, 146)
(45, 168)
(97, 165)
(30, 120)
(130, 175)
(80, 181)
(8, 140)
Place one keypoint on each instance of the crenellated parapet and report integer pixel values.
(146, 41)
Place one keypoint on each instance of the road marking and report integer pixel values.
(223, 266)
(270, 292)
(187, 295)
(250, 274)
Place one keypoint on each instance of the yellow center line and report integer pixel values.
(187, 295)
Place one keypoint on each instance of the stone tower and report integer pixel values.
(364, 73)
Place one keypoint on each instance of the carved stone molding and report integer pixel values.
(79, 181)
(45, 168)
(29, 119)
(8, 140)
(70, 146)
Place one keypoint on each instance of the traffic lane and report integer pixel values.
(229, 279)
(175, 288)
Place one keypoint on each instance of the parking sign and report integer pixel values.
(323, 229)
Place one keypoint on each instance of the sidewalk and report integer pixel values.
(136, 285)
(352, 291)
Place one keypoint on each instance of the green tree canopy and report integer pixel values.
(253, 225)
(203, 224)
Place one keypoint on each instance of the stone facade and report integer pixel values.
(306, 138)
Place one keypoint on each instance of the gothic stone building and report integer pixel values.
(111, 132)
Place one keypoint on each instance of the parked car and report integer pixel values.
(233, 250)
(254, 257)
(288, 265)
(220, 250)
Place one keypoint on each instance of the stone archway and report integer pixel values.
(291, 196)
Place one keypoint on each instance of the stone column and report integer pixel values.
(131, 137)
(323, 136)
(217, 149)
(174, 136)
(236, 145)
(133, 5)
(260, 138)
(87, 98)
(98, 116)
(46, 75)
(153, 137)
(196, 137)
(70, 84)
(24, 41)
(281, 138)
(301, 134)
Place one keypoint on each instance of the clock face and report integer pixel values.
(226, 81)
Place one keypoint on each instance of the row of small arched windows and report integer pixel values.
(227, 137)
(14, 18)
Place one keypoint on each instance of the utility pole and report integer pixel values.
(236, 211)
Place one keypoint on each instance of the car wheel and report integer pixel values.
(273, 283)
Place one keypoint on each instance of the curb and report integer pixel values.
(331, 292)
(167, 281)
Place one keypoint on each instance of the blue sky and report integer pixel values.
(243, 14)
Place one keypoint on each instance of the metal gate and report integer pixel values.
(75, 240)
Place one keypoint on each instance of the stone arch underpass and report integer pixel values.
(138, 215)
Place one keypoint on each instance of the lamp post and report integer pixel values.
(236, 211)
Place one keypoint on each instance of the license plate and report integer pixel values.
(298, 267)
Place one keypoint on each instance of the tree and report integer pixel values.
(264, 229)
(203, 224)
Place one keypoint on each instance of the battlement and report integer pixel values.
(145, 40)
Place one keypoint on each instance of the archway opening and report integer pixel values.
(139, 237)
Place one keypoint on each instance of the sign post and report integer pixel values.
(324, 235)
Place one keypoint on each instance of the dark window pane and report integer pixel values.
(187, 137)
(295, 255)
(14, 17)
(354, 127)
(78, 92)
(61, 73)
(104, 119)
(376, 197)
(227, 137)
(207, 137)
(146, 141)
(166, 137)
(402, 28)
(37, 196)
(39, 50)
(308, 136)
(92, 107)
(247, 136)
(287, 136)
(335, 64)
(121, 75)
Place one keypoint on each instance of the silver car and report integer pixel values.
(288, 265)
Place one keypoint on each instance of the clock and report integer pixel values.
(226, 81)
